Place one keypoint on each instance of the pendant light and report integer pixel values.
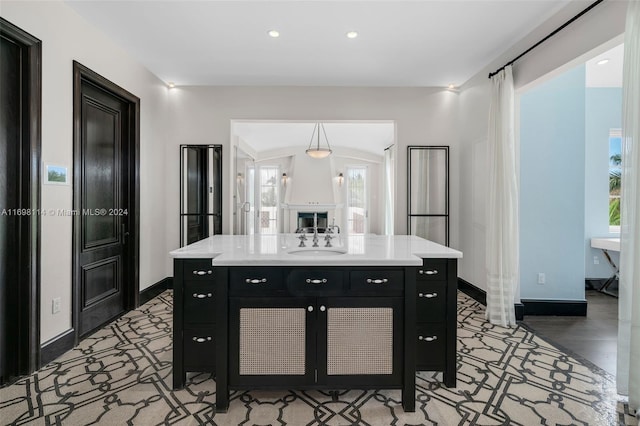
(317, 152)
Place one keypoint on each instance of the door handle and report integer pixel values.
(124, 234)
(377, 281)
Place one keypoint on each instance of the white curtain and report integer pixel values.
(502, 242)
(628, 370)
(389, 173)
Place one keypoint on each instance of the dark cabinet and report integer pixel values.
(194, 319)
(360, 341)
(310, 338)
(325, 328)
(199, 349)
(271, 341)
(435, 339)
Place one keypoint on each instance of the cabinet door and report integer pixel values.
(272, 341)
(360, 341)
(199, 347)
(199, 302)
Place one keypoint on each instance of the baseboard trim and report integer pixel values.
(480, 296)
(472, 291)
(64, 342)
(594, 283)
(155, 289)
(519, 311)
(575, 308)
(55, 347)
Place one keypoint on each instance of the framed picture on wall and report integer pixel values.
(56, 175)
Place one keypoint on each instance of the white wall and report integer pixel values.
(66, 37)
(601, 24)
(423, 116)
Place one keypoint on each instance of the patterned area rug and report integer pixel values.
(122, 375)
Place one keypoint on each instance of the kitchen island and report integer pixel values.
(291, 311)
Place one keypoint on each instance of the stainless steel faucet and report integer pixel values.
(328, 238)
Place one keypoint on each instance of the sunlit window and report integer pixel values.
(615, 178)
(268, 218)
(357, 200)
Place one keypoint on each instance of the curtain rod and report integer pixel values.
(556, 31)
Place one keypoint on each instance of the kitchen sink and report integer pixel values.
(317, 252)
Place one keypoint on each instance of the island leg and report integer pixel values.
(179, 374)
(449, 374)
(221, 276)
(409, 379)
(222, 396)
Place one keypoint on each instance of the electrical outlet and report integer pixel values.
(55, 305)
(541, 278)
(596, 261)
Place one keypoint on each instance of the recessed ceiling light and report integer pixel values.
(171, 84)
(451, 86)
(274, 33)
(602, 61)
(352, 34)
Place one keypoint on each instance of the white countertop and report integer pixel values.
(612, 244)
(275, 249)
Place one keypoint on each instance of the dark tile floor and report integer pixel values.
(593, 337)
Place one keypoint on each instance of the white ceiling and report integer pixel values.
(400, 43)
(365, 136)
(606, 75)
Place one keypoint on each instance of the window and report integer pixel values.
(269, 196)
(615, 177)
(357, 200)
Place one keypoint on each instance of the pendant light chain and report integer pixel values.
(318, 152)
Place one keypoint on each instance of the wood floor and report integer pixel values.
(593, 337)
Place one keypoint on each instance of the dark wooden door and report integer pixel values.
(19, 202)
(104, 208)
(9, 200)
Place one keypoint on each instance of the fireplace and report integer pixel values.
(305, 220)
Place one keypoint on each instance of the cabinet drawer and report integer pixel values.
(199, 302)
(430, 347)
(316, 282)
(377, 282)
(432, 270)
(249, 282)
(431, 301)
(197, 269)
(199, 348)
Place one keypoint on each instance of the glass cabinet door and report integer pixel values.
(200, 192)
(428, 193)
